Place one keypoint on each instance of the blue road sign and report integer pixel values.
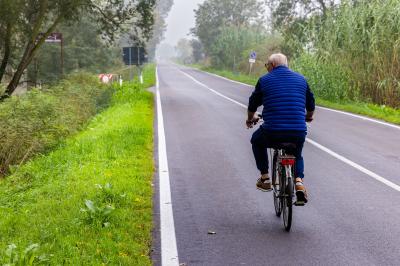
(253, 55)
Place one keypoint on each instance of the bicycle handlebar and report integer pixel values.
(259, 117)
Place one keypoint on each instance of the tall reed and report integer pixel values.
(363, 38)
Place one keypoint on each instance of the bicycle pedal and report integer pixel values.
(299, 203)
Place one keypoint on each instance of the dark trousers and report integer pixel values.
(263, 139)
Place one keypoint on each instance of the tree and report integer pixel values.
(160, 14)
(293, 17)
(289, 11)
(228, 48)
(39, 18)
(8, 22)
(197, 50)
(213, 15)
(84, 50)
(184, 51)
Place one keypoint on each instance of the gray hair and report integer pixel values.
(278, 60)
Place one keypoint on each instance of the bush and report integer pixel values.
(271, 44)
(329, 81)
(38, 120)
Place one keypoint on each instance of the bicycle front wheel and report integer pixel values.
(288, 203)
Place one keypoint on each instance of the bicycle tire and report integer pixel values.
(287, 202)
(276, 191)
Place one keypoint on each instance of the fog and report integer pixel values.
(180, 20)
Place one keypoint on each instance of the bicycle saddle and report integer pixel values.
(285, 145)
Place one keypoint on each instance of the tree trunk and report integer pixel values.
(323, 7)
(20, 70)
(30, 51)
(7, 52)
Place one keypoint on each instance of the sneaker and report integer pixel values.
(264, 183)
(301, 192)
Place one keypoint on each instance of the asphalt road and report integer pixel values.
(351, 218)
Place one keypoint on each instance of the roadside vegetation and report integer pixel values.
(382, 112)
(348, 50)
(38, 120)
(76, 156)
(88, 202)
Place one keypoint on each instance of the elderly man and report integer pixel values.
(288, 103)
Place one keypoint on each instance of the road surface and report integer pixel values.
(352, 173)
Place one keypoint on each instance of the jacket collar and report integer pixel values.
(280, 67)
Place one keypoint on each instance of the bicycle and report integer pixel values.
(283, 175)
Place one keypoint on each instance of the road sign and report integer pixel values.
(252, 60)
(134, 56)
(106, 78)
(54, 37)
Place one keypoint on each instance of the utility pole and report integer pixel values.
(62, 55)
(130, 64)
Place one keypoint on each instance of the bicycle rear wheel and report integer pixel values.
(276, 186)
(287, 201)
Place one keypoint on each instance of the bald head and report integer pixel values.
(278, 60)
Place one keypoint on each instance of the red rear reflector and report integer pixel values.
(287, 161)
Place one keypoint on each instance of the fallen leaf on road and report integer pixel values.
(211, 232)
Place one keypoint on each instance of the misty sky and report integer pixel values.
(180, 20)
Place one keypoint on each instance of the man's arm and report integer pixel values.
(310, 104)
(255, 101)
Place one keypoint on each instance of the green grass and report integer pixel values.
(89, 202)
(372, 110)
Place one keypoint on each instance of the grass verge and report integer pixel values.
(372, 110)
(89, 202)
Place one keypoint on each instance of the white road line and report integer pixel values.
(361, 117)
(355, 165)
(320, 107)
(169, 251)
(215, 75)
(214, 91)
(234, 81)
(319, 146)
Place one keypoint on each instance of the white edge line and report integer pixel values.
(361, 117)
(319, 146)
(355, 165)
(169, 251)
(320, 107)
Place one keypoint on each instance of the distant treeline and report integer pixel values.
(349, 51)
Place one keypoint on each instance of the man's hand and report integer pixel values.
(309, 116)
(251, 122)
(252, 119)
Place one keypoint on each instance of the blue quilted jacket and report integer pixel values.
(285, 96)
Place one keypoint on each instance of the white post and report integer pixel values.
(141, 75)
